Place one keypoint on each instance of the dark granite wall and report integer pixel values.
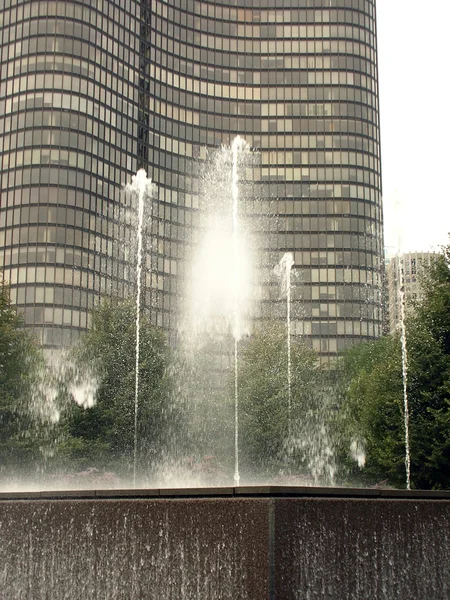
(134, 549)
(351, 549)
(235, 548)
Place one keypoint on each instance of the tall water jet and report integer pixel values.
(219, 304)
(283, 270)
(403, 340)
(402, 298)
(141, 187)
(238, 144)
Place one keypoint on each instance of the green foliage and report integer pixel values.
(429, 379)
(20, 362)
(434, 311)
(375, 391)
(209, 410)
(375, 396)
(264, 398)
(102, 436)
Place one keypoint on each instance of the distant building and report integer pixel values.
(407, 270)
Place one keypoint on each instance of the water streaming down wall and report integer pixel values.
(362, 548)
(132, 549)
(237, 547)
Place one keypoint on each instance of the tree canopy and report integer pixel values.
(375, 391)
(296, 433)
(20, 364)
(273, 423)
(102, 435)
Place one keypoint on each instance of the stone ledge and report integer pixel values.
(240, 492)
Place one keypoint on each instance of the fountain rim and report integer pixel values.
(269, 491)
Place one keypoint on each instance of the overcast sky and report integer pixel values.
(414, 77)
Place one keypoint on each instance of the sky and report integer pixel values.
(414, 80)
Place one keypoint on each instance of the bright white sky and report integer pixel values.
(414, 77)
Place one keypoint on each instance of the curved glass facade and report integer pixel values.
(68, 141)
(298, 80)
(91, 91)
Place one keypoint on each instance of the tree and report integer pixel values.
(375, 391)
(208, 424)
(102, 435)
(273, 439)
(429, 381)
(433, 312)
(374, 407)
(20, 365)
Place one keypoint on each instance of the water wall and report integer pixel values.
(226, 543)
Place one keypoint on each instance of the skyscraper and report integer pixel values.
(69, 96)
(90, 91)
(406, 271)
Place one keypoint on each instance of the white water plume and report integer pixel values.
(358, 453)
(84, 392)
(44, 406)
(220, 285)
(220, 288)
(283, 272)
(314, 439)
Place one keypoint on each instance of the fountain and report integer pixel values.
(223, 543)
(283, 271)
(141, 187)
(238, 144)
(220, 291)
(403, 341)
(401, 291)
